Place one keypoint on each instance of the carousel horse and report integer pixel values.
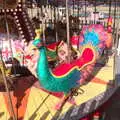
(67, 76)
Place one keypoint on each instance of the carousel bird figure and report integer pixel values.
(66, 77)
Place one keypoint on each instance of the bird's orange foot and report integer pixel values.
(58, 106)
(72, 101)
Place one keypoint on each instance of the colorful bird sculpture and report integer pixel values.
(67, 76)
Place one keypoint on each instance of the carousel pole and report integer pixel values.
(8, 38)
(40, 17)
(116, 46)
(38, 13)
(68, 29)
(51, 12)
(115, 10)
(110, 8)
(43, 28)
(3, 71)
(73, 7)
(7, 89)
(31, 5)
(57, 11)
(115, 21)
(95, 10)
(56, 22)
(78, 24)
(109, 22)
(85, 12)
(78, 10)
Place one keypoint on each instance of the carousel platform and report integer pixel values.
(30, 102)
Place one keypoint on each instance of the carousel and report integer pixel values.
(57, 58)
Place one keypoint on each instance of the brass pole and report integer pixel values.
(3, 71)
(7, 89)
(68, 29)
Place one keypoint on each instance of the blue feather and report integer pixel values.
(91, 37)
